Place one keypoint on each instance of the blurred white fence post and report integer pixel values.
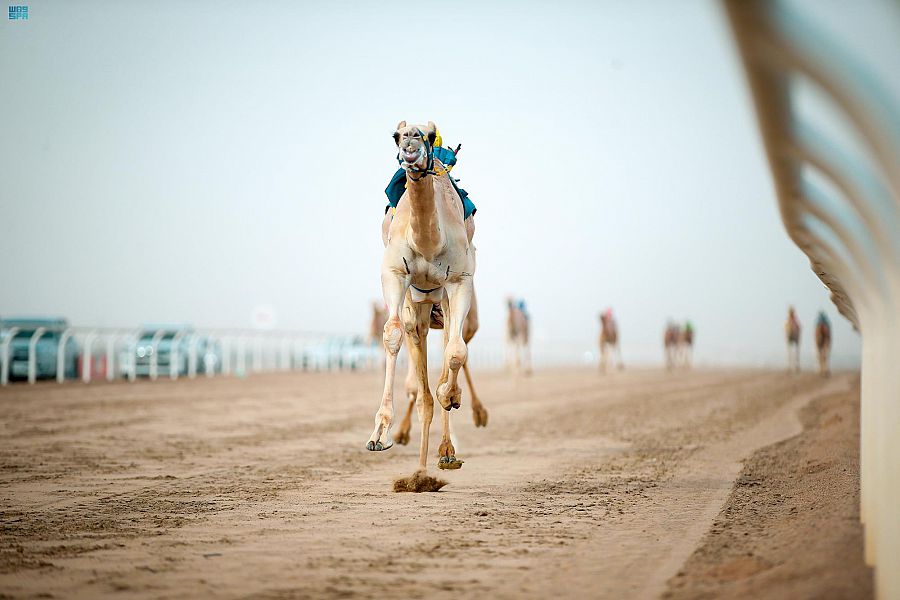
(32, 353)
(284, 358)
(110, 357)
(226, 355)
(4, 367)
(132, 356)
(209, 357)
(154, 353)
(257, 354)
(850, 226)
(87, 356)
(192, 356)
(175, 355)
(242, 356)
(61, 355)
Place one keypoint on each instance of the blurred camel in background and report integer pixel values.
(678, 343)
(671, 338)
(376, 323)
(609, 340)
(792, 333)
(823, 343)
(686, 344)
(518, 336)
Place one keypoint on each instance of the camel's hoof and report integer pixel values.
(377, 446)
(480, 416)
(448, 398)
(450, 462)
(402, 437)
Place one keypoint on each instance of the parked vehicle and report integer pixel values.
(169, 343)
(46, 349)
(341, 353)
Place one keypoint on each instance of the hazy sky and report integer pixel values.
(188, 161)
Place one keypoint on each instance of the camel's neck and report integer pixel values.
(424, 224)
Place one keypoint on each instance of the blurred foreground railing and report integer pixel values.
(829, 114)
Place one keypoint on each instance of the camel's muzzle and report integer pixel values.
(411, 158)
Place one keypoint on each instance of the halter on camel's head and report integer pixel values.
(415, 146)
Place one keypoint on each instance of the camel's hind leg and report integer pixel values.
(479, 412)
(417, 321)
(412, 387)
(526, 349)
(470, 327)
(455, 351)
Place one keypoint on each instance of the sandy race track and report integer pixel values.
(582, 486)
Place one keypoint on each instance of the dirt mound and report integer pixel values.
(420, 481)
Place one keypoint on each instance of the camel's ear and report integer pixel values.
(431, 132)
(400, 126)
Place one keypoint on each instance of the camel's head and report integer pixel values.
(414, 145)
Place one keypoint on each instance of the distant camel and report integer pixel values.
(671, 339)
(376, 324)
(376, 327)
(609, 340)
(792, 333)
(823, 343)
(518, 336)
(686, 344)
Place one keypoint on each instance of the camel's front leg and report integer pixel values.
(394, 288)
(455, 351)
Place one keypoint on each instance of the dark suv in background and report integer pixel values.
(168, 349)
(45, 350)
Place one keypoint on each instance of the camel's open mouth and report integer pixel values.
(410, 157)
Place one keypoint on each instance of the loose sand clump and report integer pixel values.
(420, 481)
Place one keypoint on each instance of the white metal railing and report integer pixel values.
(830, 120)
(64, 338)
(32, 353)
(6, 341)
(133, 353)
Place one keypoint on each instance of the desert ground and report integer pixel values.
(637, 484)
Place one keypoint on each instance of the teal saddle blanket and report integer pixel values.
(397, 186)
